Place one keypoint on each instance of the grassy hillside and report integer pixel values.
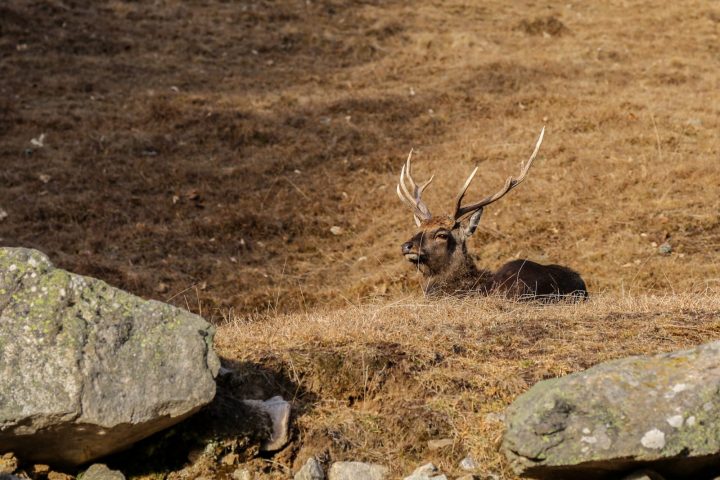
(199, 153)
(206, 150)
(377, 382)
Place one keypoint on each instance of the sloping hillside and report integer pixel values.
(376, 383)
(204, 151)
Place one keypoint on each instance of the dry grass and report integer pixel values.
(376, 382)
(194, 138)
(205, 149)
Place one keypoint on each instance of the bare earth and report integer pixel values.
(200, 153)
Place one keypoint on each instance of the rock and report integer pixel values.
(241, 474)
(230, 459)
(88, 369)
(665, 249)
(40, 470)
(59, 476)
(657, 412)
(468, 463)
(100, 471)
(279, 412)
(357, 471)
(8, 463)
(441, 443)
(426, 472)
(644, 475)
(312, 470)
(426, 469)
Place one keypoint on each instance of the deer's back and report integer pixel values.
(527, 279)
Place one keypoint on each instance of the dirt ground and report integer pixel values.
(200, 152)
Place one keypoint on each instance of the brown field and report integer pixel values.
(200, 152)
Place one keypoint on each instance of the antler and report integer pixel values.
(510, 183)
(420, 210)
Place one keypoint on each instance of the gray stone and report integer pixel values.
(279, 412)
(644, 475)
(312, 470)
(100, 471)
(241, 474)
(658, 412)
(357, 471)
(468, 463)
(426, 469)
(426, 472)
(88, 369)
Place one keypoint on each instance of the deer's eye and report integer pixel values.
(441, 235)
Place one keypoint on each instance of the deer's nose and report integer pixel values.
(407, 247)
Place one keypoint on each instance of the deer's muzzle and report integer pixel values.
(412, 255)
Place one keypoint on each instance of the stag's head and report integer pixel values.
(439, 241)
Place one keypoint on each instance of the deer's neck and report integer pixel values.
(459, 276)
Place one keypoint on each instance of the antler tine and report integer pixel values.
(413, 200)
(417, 189)
(510, 183)
(461, 194)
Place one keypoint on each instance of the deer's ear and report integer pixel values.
(473, 223)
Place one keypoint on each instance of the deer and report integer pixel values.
(439, 248)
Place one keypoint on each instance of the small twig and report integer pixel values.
(657, 137)
(296, 187)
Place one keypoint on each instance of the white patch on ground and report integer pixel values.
(586, 431)
(677, 388)
(590, 440)
(676, 421)
(690, 421)
(653, 439)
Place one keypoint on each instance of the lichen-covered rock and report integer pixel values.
(87, 369)
(660, 412)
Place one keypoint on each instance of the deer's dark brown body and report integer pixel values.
(439, 251)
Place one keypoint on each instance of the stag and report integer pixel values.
(439, 248)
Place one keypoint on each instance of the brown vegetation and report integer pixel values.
(377, 382)
(201, 152)
(210, 149)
